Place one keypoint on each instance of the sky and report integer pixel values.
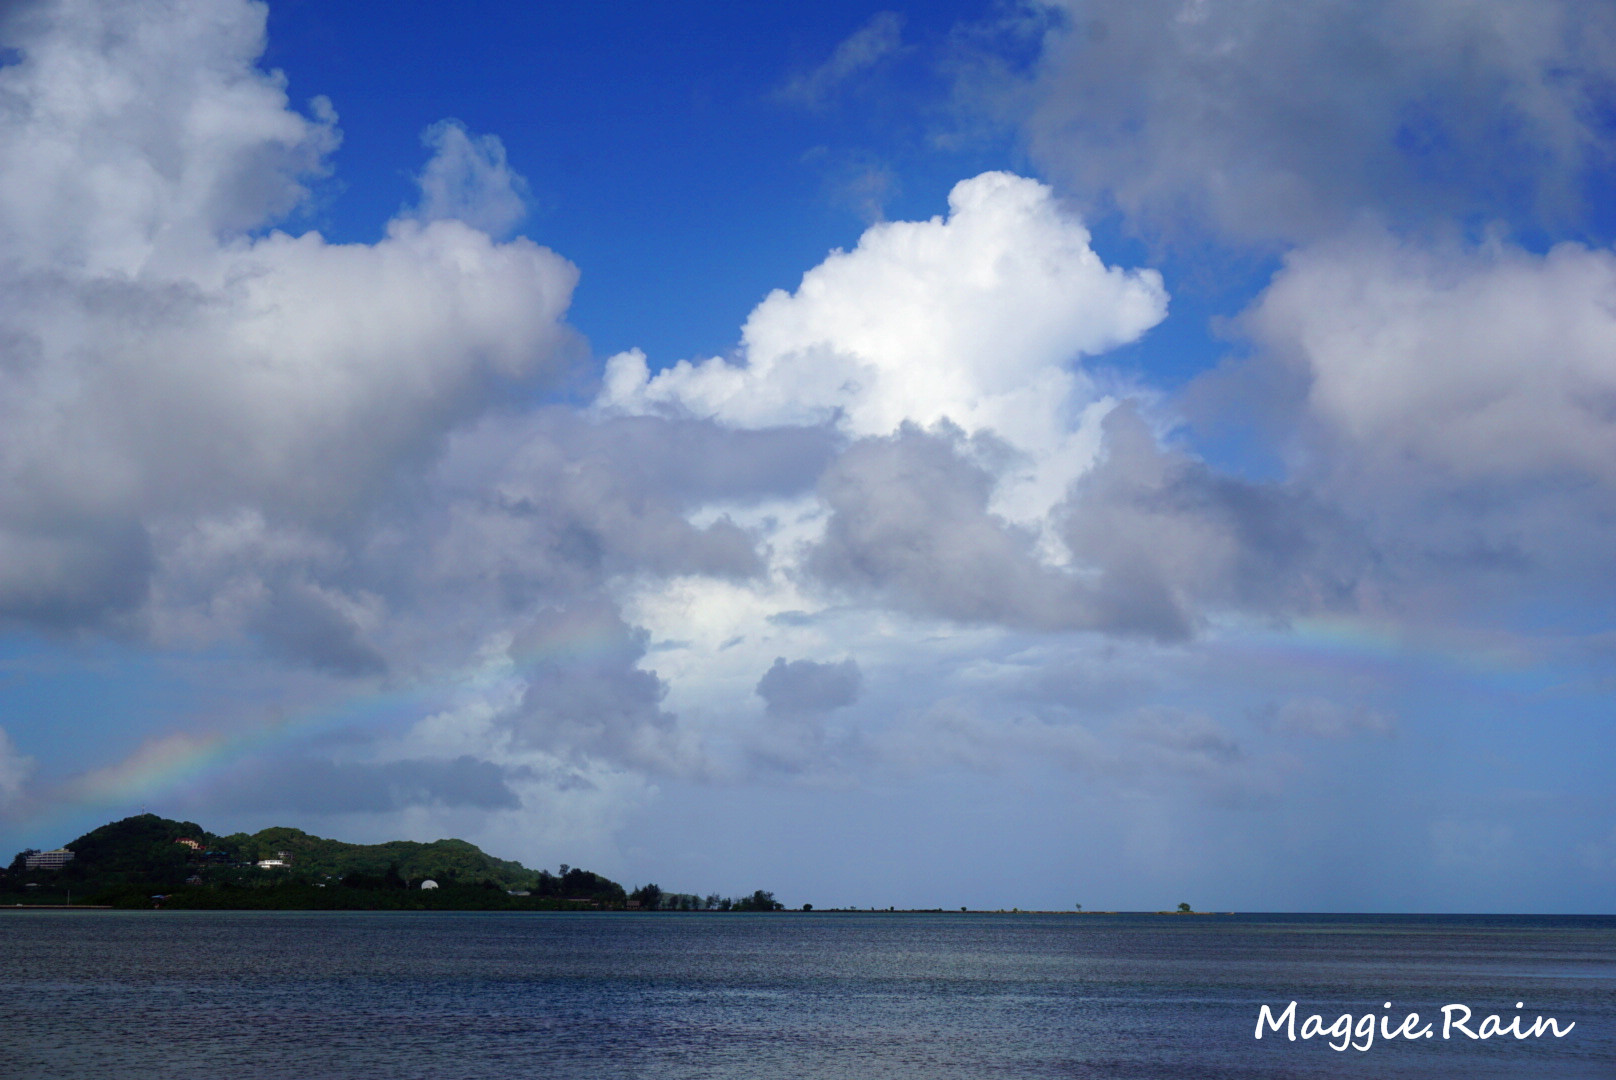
(986, 454)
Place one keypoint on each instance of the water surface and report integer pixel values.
(668, 996)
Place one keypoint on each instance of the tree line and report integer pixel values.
(145, 860)
(652, 898)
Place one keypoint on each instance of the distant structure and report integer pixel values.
(194, 845)
(429, 884)
(48, 860)
(271, 864)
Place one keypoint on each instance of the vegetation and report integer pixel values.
(146, 860)
(652, 898)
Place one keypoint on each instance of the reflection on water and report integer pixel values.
(491, 995)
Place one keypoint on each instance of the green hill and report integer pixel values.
(142, 848)
(139, 858)
(315, 856)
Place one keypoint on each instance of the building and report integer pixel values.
(429, 884)
(48, 860)
(271, 864)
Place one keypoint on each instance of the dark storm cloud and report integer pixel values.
(302, 625)
(804, 686)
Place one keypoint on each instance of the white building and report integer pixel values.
(48, 860)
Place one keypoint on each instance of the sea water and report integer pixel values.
(805, 996)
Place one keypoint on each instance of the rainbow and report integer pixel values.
(1361, 642)
(184, 759)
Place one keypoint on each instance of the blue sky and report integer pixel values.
(651, 137)
(983, 454)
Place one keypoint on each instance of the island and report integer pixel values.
(149, 861)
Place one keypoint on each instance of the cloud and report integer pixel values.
(1269, 121)
(1458, 400)
(468, 179)
(923, 321)
(1179, 740)
(1173, 537)
(236, 443)
(1150, 747)
(550, 505)
(1458, 367)
(806, 686)
(166, 357)
(585, 696)
(306, 624)
(957, 732)
(78, 570)
(1154, 540)
(130, 132)
(313, 785)
(15, 769)
(862, 50)
(910, 526)
(975, 319)
(798, 698)
(1326, 719)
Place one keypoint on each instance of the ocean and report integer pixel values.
(805, 996)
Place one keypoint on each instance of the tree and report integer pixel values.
(759, 901)
(649, 896)
(1184, 909)
(142, 848)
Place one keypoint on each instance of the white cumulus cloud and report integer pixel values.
(1459, 400)
(468, 179)
(165, 355)
(1472, 366)
(976, 319)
